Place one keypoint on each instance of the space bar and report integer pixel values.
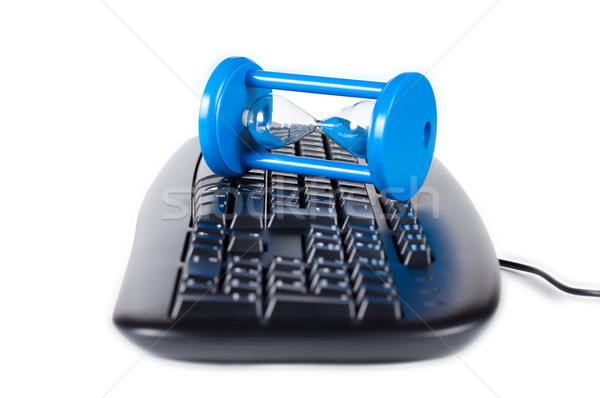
(290, 217)
(301, 308)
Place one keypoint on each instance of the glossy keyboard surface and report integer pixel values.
(275, 247)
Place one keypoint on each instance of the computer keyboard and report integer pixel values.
(273, 266)
(320, 258)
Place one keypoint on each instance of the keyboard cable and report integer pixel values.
(565, 288)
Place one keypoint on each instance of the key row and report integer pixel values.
(330, 296)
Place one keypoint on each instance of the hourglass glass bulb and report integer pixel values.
(274, 121)
(349, 127)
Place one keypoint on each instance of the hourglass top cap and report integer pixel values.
(400, 143)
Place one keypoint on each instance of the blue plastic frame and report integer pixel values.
(401, 140)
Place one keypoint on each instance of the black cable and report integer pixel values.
(549, 278)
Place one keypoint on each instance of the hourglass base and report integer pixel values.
(222, 135)
(402, 138)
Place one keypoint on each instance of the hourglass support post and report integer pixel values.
(307, 166)
(314, 84)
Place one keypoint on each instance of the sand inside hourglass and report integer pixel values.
(274, 121)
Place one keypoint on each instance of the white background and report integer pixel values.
(93, 102)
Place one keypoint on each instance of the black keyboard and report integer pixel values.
(273, 266)
(283, 248)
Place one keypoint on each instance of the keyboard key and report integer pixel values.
(192, 286)
(206, 252)
(313, 154)
(203, 268)
(245, 243)
(208, 198)
(389, 206)
(284, 151)
(286, 279)
(284, 174)
(350, 184)
(358, 236)
(286, 282)
(248, 190)
(286, 289)
(208, 238)
(364, 228)
(317, 179)
(249, 258)
(352, 191)
(212, 229)
(244, 268)
(278, 186)
(325, 251)
(353, 198)
(407, 238)
(210, 180)
(317, 185)
(329, 267)
(402, 217)
(364, 264)
(248, 212)
(213, 188)
(280, 265)
(219, 307)
(312, 145)
(345, 158)
(212, 212)
(286, 217)
(325, 279)
(324, 228)
(324, 206)
(416, 255)
(282, 194)
(243, 289)
(356, 212)
(251, 181)
(373, 278)
(290, 308)
(282, 179)
(333, 291)
(378, 310)
(317, 193)
(236, 279)
(365, 289)
(283, 201)
(374, 246)
(242, 274)
(318, 236)
(206, 247)
(365, 251)
(312, 200)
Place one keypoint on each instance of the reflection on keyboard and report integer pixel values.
(274, 248)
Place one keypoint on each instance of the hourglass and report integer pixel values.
(241, 119)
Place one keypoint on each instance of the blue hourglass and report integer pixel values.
(393, 128)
